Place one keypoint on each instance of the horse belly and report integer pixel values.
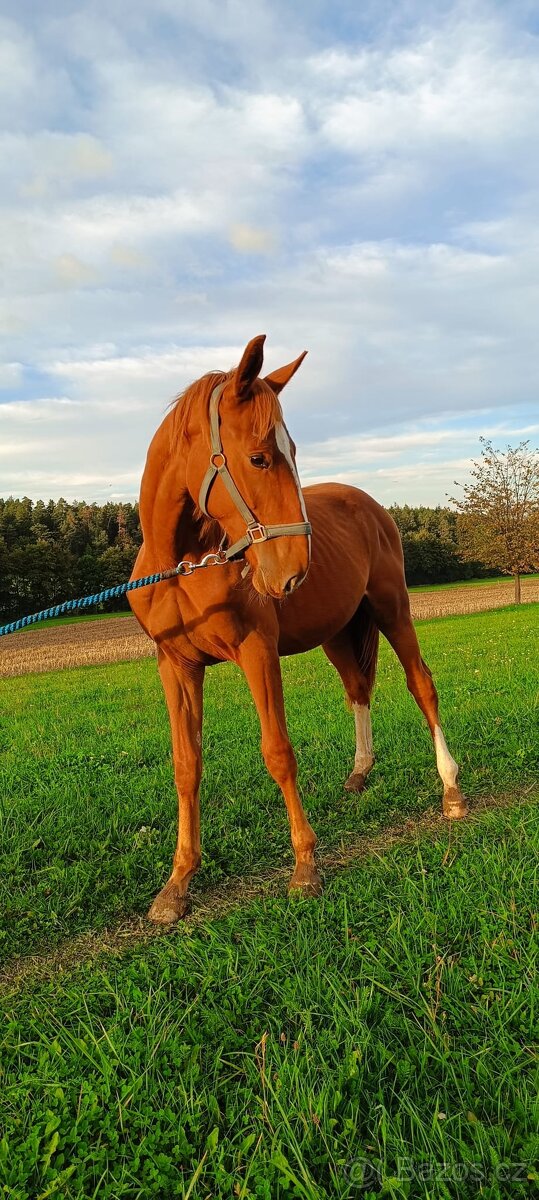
(322, 606)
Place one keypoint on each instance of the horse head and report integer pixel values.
(250, 482)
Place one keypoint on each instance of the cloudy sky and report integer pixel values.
(356, 179)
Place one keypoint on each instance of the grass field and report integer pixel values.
(88, 802)
(378, 1042)
(331, 1049)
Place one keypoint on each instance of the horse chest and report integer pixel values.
(213, 628)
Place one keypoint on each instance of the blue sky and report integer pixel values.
(358, 180)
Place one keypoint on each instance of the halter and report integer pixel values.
(255, 532)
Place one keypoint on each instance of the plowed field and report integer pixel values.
(119, 639)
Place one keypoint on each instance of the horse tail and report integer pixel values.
(365, 639)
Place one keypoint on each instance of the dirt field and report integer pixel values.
(461, 600)
(118, 639)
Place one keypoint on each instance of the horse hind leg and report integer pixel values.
(354, 653)
(402, 637)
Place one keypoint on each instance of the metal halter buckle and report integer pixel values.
(218, 465)
(257, 533)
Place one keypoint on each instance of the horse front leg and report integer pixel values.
(259, 659)
(183, 691)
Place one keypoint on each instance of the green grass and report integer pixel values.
(378, 1042)
(281, 1052)
(88, 806)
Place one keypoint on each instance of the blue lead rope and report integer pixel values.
(86, 601)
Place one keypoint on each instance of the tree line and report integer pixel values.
(54, 551)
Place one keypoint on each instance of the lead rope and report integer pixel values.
(185, 567)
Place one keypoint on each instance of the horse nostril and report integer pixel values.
(290, 584)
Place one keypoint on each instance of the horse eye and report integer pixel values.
(258, 460)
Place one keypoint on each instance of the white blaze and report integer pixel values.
(283, 443)
(447, 767)
(364, 756)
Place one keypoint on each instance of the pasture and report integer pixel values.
(272, 1047)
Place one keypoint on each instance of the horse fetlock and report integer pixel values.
(304, 841)
(185, 867)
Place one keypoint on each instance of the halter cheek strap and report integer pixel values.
(255, 532)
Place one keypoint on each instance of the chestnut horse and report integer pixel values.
(221, 469)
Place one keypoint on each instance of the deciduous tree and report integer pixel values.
(499, 511)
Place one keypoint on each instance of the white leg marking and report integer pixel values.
(447, 767)
(364, 756)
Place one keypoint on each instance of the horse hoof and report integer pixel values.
(454, 806)
(355, 782)
(306, 881)
(169, 906)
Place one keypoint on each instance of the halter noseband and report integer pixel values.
(255, 532)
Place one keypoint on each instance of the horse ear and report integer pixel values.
(250, 366)
(278, 379)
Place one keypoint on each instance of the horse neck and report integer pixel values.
(163, 496)
(167, 513)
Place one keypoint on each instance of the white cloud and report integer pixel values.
(24, 412)
(50, 163)
(130, 258)
(10, 374)
(249, 240)
(72, 272)
(456, 85)
(167, 196)
(102, 379)
(89, 157)
(33, 85)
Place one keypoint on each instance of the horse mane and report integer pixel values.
(264, 405)
(266, 411)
